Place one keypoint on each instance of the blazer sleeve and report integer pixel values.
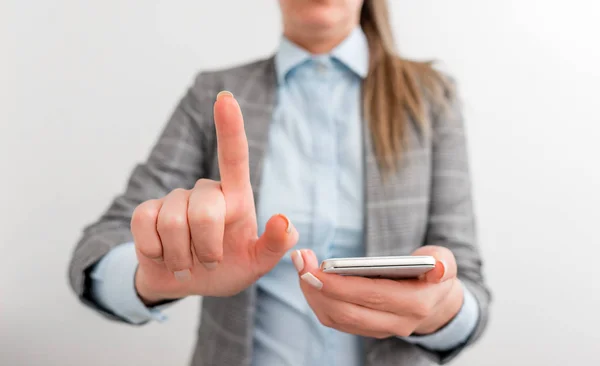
(451, 218)
(181, 155)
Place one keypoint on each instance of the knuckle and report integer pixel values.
(179, 191)
(146, 212)
(346, 317)
(205, 215)
(172, 222)
(209, 254)
(203, 182)
(402, 327)
(326, 320)
(421, 308)
(174, 263)
(411, 326)
(374, 299)
(403, 331)
(149, 250)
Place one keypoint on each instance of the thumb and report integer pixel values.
(279, 236)
(445, 264)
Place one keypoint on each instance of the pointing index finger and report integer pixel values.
(232, 145)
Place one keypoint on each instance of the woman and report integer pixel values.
(363, 151)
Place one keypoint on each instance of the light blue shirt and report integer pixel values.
(313, 173)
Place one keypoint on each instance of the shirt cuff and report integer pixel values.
(113, 286)
(454, 333)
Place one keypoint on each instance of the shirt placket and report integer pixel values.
(325, 171)
(325, 161)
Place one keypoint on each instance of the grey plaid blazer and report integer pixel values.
(427, 202)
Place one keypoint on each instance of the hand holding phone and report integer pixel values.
(354, 304)
(391, 267)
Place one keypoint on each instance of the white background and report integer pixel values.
(87, 86)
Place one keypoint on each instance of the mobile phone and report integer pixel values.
(392, 267)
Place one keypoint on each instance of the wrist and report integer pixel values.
(447, 310)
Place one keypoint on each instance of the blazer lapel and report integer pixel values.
(257, 101)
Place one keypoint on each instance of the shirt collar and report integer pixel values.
(353, 52)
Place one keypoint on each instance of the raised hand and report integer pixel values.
(204, 241)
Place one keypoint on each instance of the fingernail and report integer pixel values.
(210, 265)
(183, 276)
(312, 280)
(298, 260)
(288, 229)
(224, 93)
(158, 260)
(444, 267)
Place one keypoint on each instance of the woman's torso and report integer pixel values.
(227, 329)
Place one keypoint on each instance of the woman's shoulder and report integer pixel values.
(434, 82)
(437, 87)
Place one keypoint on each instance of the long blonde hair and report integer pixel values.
(395, 88)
